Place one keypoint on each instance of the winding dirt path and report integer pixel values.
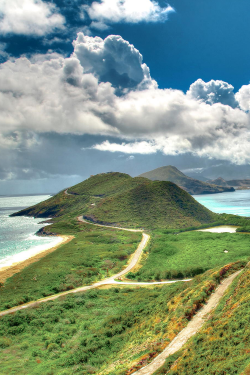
(190, 330)
(108, 281)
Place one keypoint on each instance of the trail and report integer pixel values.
(190, 330)
(66, 192)
(109, 281)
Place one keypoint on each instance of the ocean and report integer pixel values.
(237, 202)
(17, 234)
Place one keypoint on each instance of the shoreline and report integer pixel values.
(15, 267)
(220, 229)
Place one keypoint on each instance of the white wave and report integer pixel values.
(26, 254)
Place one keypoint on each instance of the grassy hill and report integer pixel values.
(192, 186)
(117, 198)
(222, 346)
(151, 205)
(109, 331)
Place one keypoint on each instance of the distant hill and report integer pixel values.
(118, 199)
(220, 182)
(197, 176)
(239, 183)
(192, 186)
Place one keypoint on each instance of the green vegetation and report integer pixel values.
(155, 204)
(170, 173)
(191, 253)
(119, 330)
(112, 331)
(222, 346)
(117, 198)
(58, 205)
(92, 255)
(106, 184)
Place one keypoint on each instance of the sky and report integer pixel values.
(120, 85)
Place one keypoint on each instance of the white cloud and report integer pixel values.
(51, 93)
(99, 26)
(29, 17)
(142, 147)
(243, 97)
(113, 11)
(213, 92)
(112, 60)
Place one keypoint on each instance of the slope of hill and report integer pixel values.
(239, 183)
(83, 195)
(222, 346)
(116, 198)
(192, 186)
(220, 182)
(151, 205)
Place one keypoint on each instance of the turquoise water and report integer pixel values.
(237, 202)
(17, 234)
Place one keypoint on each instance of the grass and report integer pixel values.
(187, 254)
(119, 199)
(94, 254)
(222, 346)
(106, 184)
(155, 204)
(114, 331)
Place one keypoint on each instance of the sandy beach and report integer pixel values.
(220, 229)
(30, 257)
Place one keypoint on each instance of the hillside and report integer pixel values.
(222, 346)
(192, 186)
(239, 183)
(82, 195)
(220, 182)
(119, 199)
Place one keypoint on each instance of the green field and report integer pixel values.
(118, 330)
(94, 254)
(113, 331)
(223, 345)
(190, 253)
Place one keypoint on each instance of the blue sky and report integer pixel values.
(171, 87)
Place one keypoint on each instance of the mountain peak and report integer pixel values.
(191, 185)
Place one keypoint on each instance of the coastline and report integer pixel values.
(15, 267)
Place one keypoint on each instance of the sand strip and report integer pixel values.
(6, 272)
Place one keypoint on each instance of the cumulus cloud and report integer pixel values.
(213, 92)
(112, 60)
(243, 97)
(113, 11)
(29, 17)
(51, 93)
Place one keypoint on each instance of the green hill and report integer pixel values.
(78, 198)
(192, 186)
(118, 199)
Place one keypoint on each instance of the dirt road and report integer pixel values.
(191, 329)
(108, 281)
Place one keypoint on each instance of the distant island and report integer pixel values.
(191, 185)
